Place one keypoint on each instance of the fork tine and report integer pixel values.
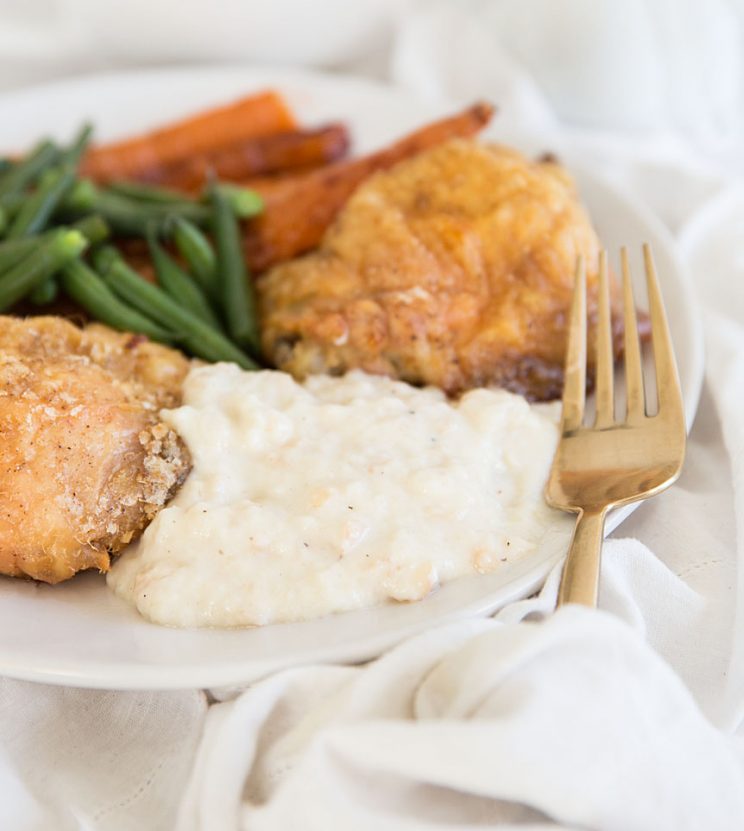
(636, 406)
(667, 379)
(574, 385)
(605, 359)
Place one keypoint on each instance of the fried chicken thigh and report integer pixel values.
(85, 461)
(454, 268)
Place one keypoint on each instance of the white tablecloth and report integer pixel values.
(621, 719)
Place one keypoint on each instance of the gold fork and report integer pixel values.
(613, 462)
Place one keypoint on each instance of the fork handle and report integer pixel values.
(580, 578)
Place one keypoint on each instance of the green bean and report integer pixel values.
(85, 287)
(126, 215)
(199, 338)
(194, 211)
(178, 284)
(195, 248)
(94, 228)
(26, 171)
(12, 202)
(82, 197)
(129, 217)
(39, 207)
(45, 293)
(48, 257)
(246, 203)
(106, 257)
(238, 301)
(14, 251)
(77, 149)
(149, 193)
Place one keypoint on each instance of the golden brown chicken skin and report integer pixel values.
(454, 268)
(85, 461)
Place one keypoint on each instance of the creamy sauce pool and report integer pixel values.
(336, 494)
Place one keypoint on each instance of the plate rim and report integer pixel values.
(139, 676)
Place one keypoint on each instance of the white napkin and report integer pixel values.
(614, 720)
(568, 721)
(713, 242)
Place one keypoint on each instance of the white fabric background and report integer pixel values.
(623, 719)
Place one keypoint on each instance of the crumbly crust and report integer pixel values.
(454, 268)
(85, 461)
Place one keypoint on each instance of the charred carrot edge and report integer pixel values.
(255, 115)
(257, 156)
(299, 209)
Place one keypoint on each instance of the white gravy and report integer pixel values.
(336, 494)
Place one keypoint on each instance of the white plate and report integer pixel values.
(78, 633)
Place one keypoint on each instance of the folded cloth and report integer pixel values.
(572, 722)
(712, 243)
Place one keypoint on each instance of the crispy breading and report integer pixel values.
(85, 462)
(454, 268)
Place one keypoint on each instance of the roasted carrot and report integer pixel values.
(256, 156)
(256, 115)
(300, 208)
